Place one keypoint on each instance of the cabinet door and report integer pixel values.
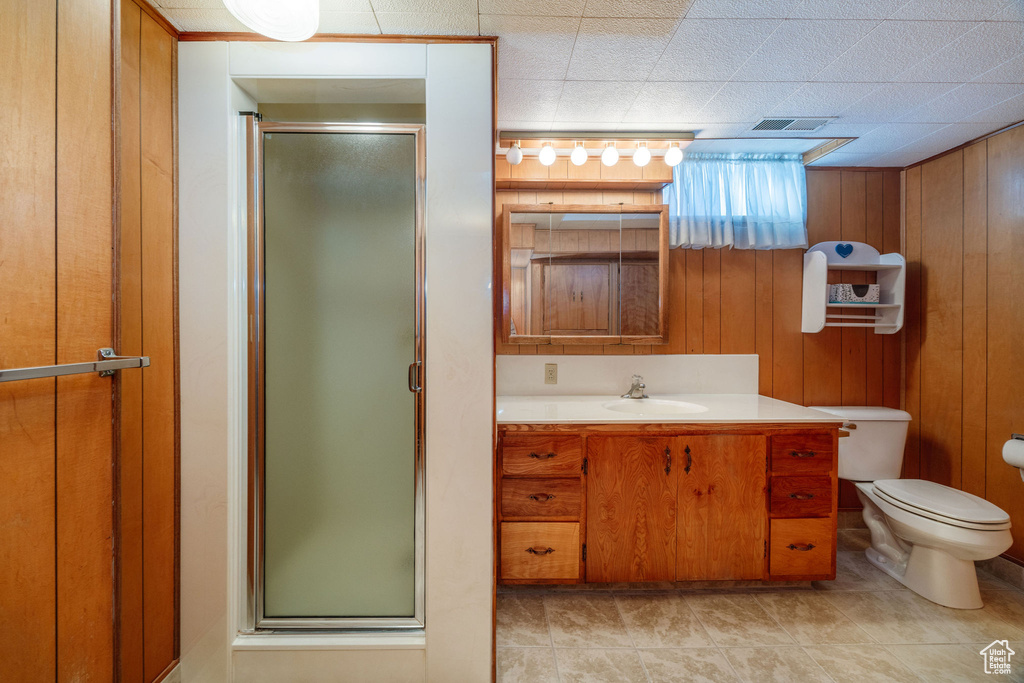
(638, 283)
(577, 298)
(722, 507)
(631, 509)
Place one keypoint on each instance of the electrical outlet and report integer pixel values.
(551, 373)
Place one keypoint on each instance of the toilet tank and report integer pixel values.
(874, 449)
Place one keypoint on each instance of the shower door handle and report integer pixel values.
(414, 377)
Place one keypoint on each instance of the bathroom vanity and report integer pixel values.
(743, 489)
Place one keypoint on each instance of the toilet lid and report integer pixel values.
(941, 500)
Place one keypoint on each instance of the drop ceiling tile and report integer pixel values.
(841, 158)
(204, 20)
(948, 10)
(891, 101)
(844, 9)
(710, 129)
(670, 9)
(1010, 71)
(738, 101)
(962, 102)
(822, 99)
(1013, 10)
(520, 100)
(891, 48)
(944, 139)
(426, 6)
(191, 4)
(418, 23)
(840, 129)
(548, 8)
(523, 125)
(981, 49)
(711, 49)
(891, 136)
(673, 101)
(618, 49)
(596, 101)
(348, 22)
(798, 49)
(341, 6)
(740, 9)
(531, 47)
(1002, 114)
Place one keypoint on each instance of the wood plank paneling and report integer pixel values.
(892, 347)
(874, 209)
(942, 313)
(130, 323)
(694, 297)
(763, 266)
(738, 298)
(912, 323)
(27, 338)
(975, 334)
(712, 309)
(854, 343)
(787, 340)
(822, 374)
(1005, 362)
(85, 483)
(158, 297)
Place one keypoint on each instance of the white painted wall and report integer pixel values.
(459, 368)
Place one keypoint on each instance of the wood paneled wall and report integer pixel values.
(742, 301)
(147, 284)
(965, 319)
(56, 273)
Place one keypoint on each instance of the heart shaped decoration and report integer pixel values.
(844, 250)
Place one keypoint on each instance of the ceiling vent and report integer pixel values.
(792, 124)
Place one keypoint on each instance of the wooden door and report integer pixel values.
(721, 507)
(577, 298)
(631, 508)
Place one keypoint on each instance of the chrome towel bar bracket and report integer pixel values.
(108, 363)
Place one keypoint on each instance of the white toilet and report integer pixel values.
(925, 535)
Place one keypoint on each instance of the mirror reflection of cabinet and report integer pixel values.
(581, 274)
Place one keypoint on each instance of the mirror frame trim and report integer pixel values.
(506, 273)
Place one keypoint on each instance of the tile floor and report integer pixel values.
(862, 627)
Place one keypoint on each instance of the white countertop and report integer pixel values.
(722, 408)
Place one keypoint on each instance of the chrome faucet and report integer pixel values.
(637, 390)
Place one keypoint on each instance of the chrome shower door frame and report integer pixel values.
(255, 620)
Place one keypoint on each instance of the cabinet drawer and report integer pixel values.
(541, 455)
(801, 496)
(802, 454)
(540, 498)
(540, 550)
(801, 548)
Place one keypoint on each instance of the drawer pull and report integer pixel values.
(802, 454)
(802, 548)
(534, 551)
(802, 496)
(689, 460)
(538, 456)
(541, 497)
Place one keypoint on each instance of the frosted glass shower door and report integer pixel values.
(340, 403)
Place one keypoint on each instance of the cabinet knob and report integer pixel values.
(540, 497)
(546, 456)
(535, 551)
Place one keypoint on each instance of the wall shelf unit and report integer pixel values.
(885, 317)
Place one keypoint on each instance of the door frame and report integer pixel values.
(255, 620)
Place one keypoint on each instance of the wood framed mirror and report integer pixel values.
(584, 274)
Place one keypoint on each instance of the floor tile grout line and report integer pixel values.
(809, 656)
(551, 638)
(629, 633)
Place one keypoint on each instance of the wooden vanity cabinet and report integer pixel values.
(636, 503)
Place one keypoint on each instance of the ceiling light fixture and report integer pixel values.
(547, 154)
(610, 155)
(642, 155)
(674, 154)
(579, 154)
(514, 155)
(291, 21)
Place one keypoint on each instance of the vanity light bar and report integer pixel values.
(641, 147)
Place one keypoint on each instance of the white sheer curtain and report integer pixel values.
(750, 201)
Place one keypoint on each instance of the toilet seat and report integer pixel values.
(942, 504)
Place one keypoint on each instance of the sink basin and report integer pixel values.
(653, 406)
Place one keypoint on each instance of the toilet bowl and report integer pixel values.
(925, 535)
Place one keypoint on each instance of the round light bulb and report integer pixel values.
(291, 21)
(610, 155)
(642, 155)
(547, 154)
(514, 155)
(673, 156)
(579, 156)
